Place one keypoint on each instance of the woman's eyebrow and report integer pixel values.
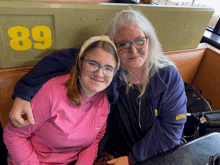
(129, 41)
(109, 65)
(101, 65)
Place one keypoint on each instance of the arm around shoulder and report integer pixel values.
(26, 88)
(50, 66)
(17, 140)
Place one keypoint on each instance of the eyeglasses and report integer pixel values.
(139, 43)
(93, 66)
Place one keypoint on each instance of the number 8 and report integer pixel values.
(14, 43)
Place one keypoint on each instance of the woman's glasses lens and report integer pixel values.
(93, 66)
(138, 43)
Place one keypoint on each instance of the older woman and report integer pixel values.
(148, 101)
(70, 112)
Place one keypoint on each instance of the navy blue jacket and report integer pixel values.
(167, 101)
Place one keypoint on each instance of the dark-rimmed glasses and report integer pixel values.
(139, 43)
(93, 66)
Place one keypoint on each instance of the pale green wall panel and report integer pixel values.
(70, 24)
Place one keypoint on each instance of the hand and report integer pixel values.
(18, 111)
(124, 160)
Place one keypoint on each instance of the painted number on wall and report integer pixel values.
(20, 37)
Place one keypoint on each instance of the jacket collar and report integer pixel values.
(156, 83)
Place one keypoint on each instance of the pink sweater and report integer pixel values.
(62, 131)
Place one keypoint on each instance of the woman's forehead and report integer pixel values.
(101, 56)
(129, 32)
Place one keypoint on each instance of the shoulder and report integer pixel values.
(165, 79)
(173, 83)
(56, 85)
(59, 80)
(167, 75)
(169, 72)
(54, 90)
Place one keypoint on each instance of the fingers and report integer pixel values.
(17, 119)
(124, 160)
(113, 161)
(19, 123)
(30, 116)
(19, 108)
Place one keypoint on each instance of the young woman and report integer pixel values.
(148, 100)
(70, 112)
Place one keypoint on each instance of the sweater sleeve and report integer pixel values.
(50, 66)
(17, 139)
(89, 154)
(169, 122)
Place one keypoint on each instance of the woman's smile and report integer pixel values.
(133, 58)
(99, 81)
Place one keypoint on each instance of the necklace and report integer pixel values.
(137, 81)
(138, 99)
(139, 113)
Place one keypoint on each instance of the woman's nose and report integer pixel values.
(133, 49)
(99, 72)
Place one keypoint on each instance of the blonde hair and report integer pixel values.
(155, 59)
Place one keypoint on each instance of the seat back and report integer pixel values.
(8, 79)
(187, 62)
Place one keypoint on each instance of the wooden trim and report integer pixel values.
(17, 69)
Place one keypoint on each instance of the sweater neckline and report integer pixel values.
(93, 98)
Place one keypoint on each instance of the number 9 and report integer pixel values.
(46, 38)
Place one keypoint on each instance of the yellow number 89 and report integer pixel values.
(21, 42)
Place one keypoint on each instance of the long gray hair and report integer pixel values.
(155, 59)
